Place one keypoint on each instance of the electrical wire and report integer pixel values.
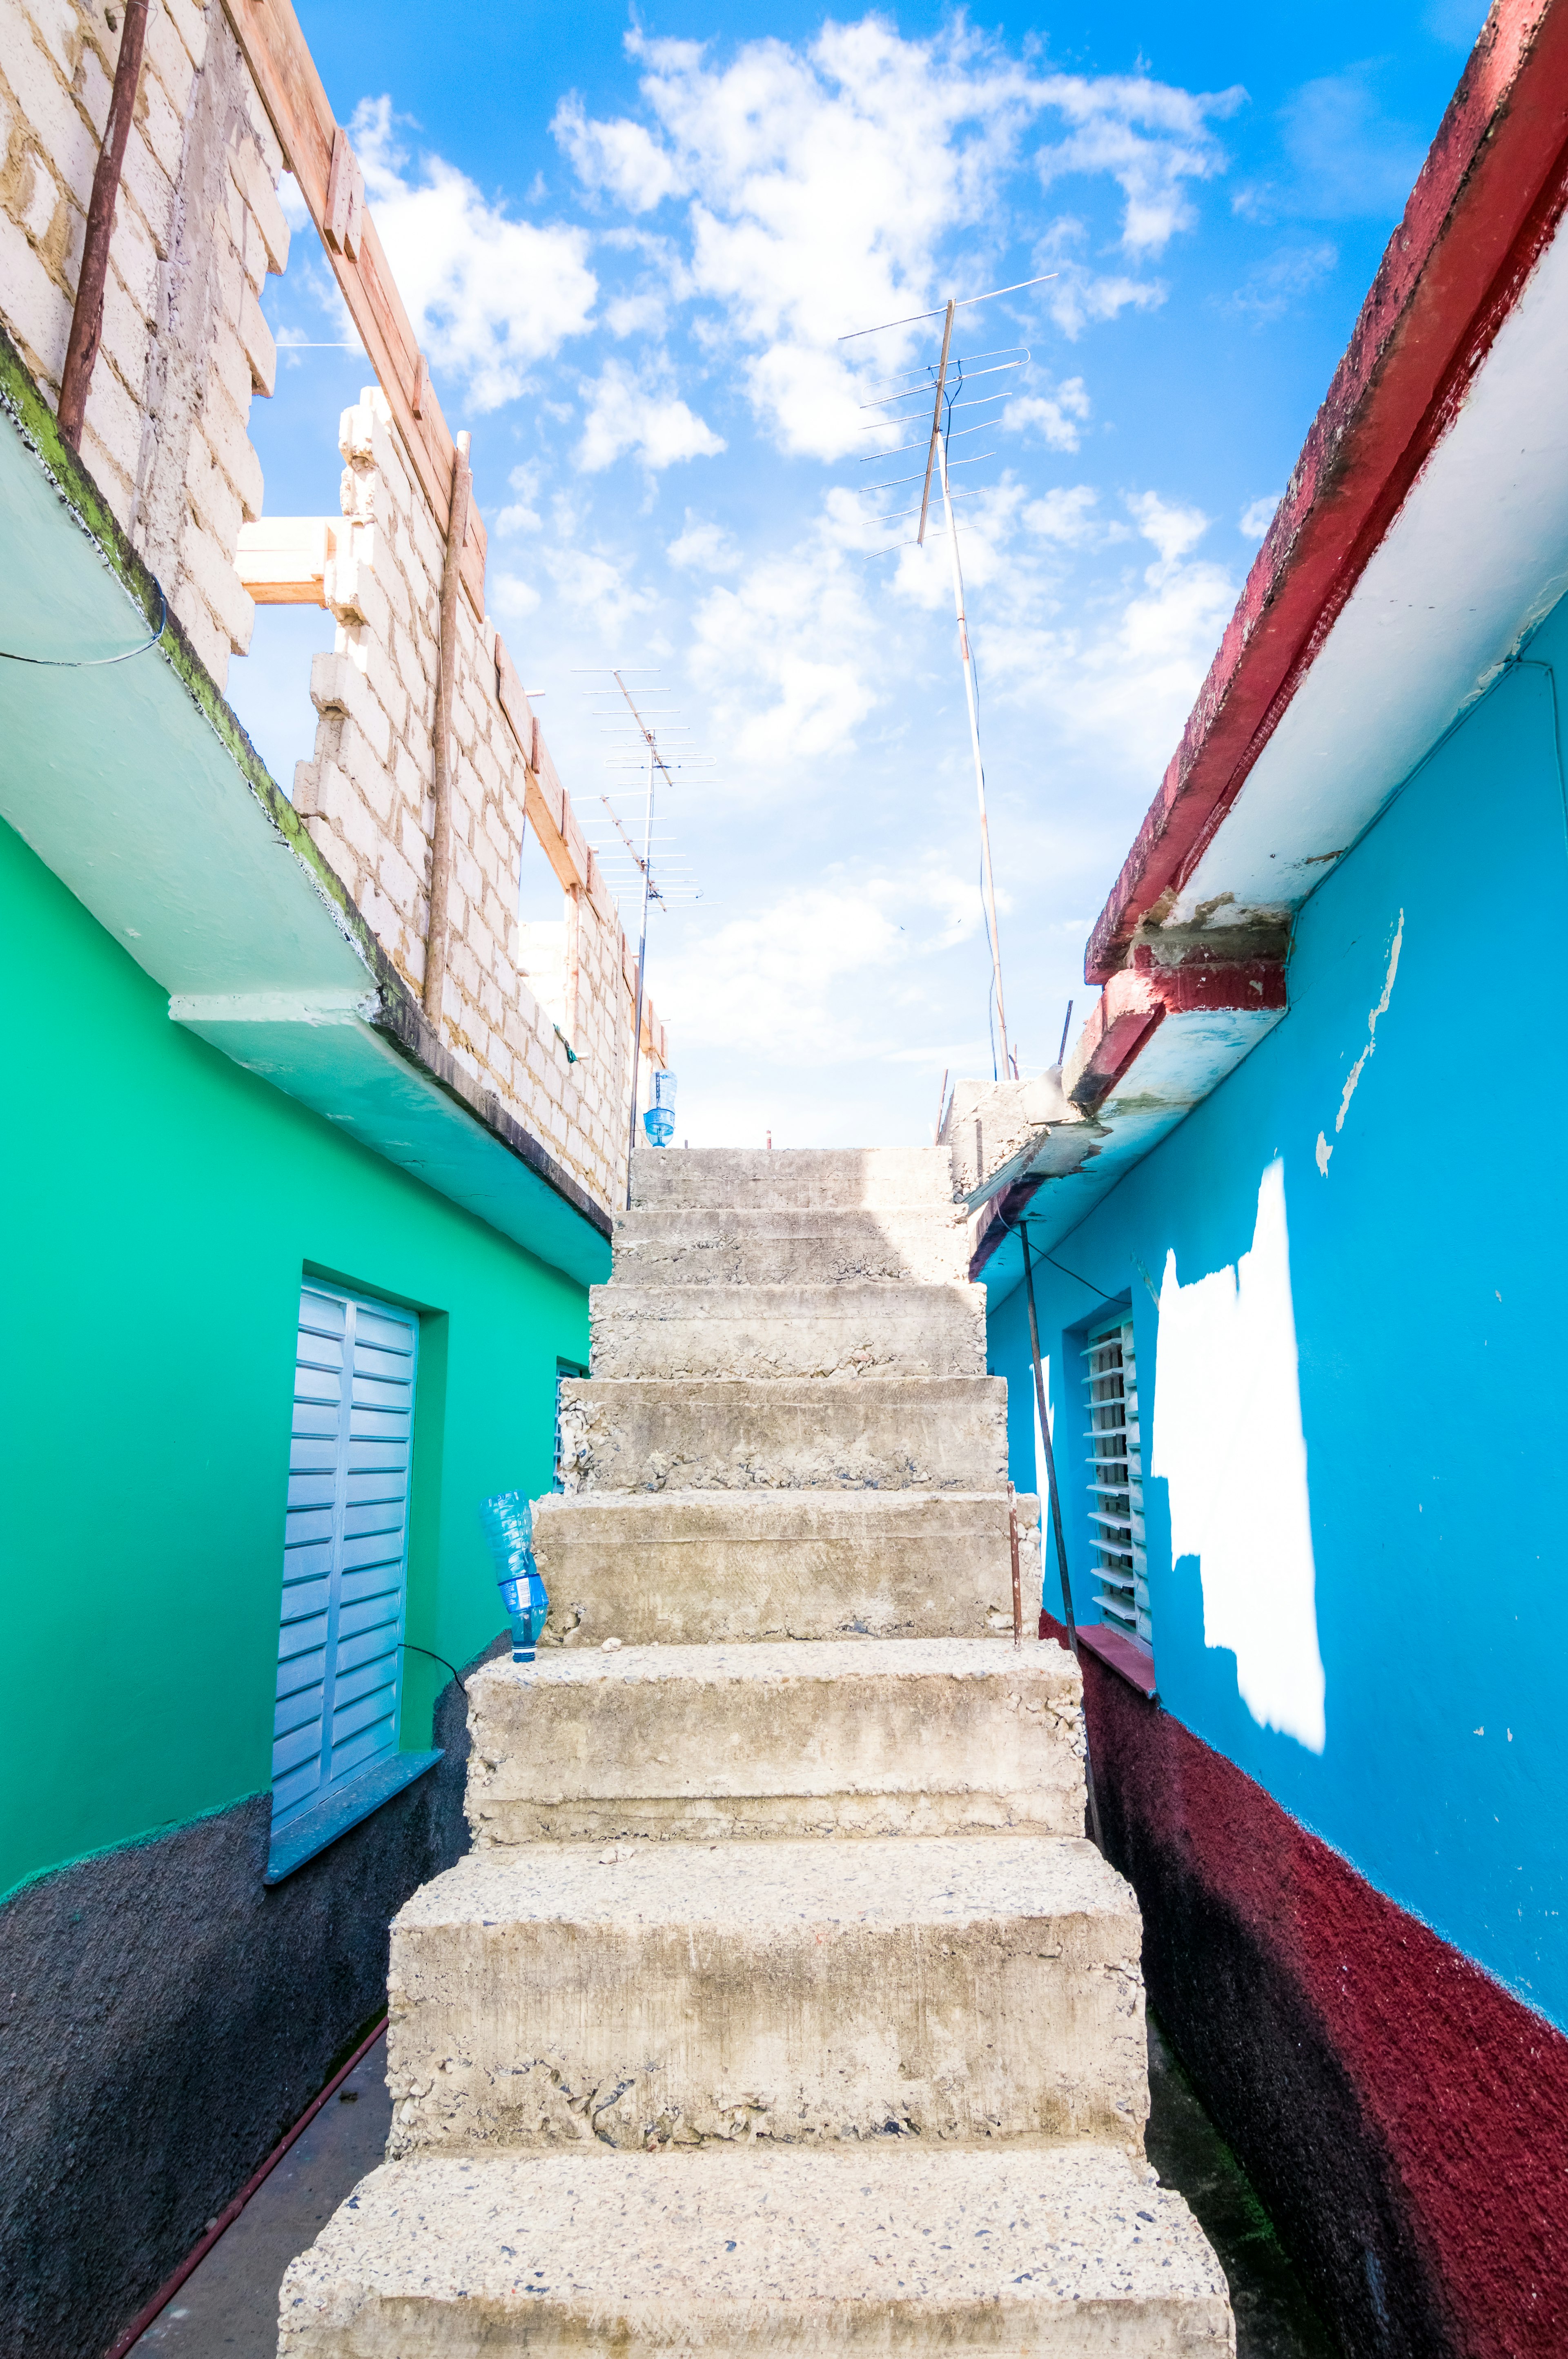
(410, 1648)
(92, 663)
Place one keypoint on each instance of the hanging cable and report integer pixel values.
(93, 663)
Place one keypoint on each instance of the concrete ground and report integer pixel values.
(228, 2307)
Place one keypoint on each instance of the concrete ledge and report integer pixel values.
(343, 1808)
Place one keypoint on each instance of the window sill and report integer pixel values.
(1135, 1664)
(343, 1808)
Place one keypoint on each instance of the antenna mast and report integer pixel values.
(936, 457)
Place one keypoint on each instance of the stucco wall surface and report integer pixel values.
(197, 228)
(1347, 1399)
(166, 2019)
(1404, 2120)
(168, 1202)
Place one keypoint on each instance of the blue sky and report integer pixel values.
(631, 244)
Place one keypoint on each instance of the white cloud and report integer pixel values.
(625, 413)
(1068, 516)
(621, 159)
(593, 586)
(488, 297)
(826, 182)
(1174, 530)
(1150, 137)
(704, 548)
(1257, 516)
(789, 655)
(1056, 417)
(511, 597)
(519, 514)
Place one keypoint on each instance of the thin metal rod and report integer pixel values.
(935, 432)
(1017, 1573)
(963, 304)
(437, 933)
(642, 946)
(975, 743)
(1056, 1534)
(87, 316)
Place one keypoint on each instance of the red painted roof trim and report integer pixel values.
(1486, 203)
(1137, 998)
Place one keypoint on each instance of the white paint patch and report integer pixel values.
(1381, 1009)
(1228, 1442)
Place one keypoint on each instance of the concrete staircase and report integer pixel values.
(781, 2001)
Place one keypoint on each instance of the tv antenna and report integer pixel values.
(945, 380)
(638, 749)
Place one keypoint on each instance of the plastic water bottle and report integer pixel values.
(508, 1521)
(659, 1122)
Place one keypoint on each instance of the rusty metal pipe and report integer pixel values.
(87, 317)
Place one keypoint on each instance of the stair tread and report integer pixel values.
(688, 2250)
(772, 1663)
(877, 1881)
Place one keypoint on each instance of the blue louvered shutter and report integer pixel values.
(345, 1547)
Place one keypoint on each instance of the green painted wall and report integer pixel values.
(161, 1206)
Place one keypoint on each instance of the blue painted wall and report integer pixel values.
(1426, 1270)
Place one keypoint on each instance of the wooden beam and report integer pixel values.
(295, 100)
(282, 560)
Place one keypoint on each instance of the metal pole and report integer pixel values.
(641, 956)
(1056, 1521)
(975, 743)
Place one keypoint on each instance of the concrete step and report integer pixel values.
(924, 1736)
(923, 1433)
(722, 1244)
(1072, 2253)
(657, 1994)
(839, 1178)
(768, 1332)
(688, 1568)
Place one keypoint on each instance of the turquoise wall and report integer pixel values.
(1427, 1282)
(160, 1205)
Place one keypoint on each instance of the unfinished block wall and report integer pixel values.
(197, 227)
(558, 1054)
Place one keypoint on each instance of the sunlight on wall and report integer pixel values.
(1229, 1440)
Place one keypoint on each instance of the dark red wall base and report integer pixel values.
(1401, 2116)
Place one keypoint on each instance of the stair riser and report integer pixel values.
(700, 1760)
(719, 1248)
(837, 1179)
(541, 2033)
(949, 1433)
(806, 1331)
(652, 1581)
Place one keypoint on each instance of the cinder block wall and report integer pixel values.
(197, 228)
(368, 796)
(185, 347)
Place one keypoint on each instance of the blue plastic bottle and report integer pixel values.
(508, 1521)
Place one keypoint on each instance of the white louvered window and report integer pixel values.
(345, 1548)
(1120, 1569)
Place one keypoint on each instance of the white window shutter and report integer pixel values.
(1120, 1565)
(345, 1546)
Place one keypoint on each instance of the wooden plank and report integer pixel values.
(295, 100)
(282, 561)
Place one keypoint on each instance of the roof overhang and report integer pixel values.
(135, 784)
(1423, 532)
